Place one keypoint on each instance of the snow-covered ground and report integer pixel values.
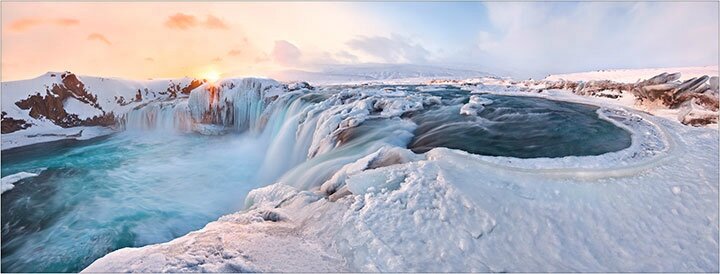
(377, 73)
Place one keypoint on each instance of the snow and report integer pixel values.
(634, 75)
(83, 111)
(8, 182)
(377, 73)
(246, 244)
(44, 131)
(475, 105)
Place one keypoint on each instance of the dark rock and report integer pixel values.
(10, 124)
(299, 85)
(690, 85)
(193, 85)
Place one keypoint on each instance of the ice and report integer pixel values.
(9, 181)
(474, 105)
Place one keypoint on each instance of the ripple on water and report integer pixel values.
(523, 127)
(123, 191)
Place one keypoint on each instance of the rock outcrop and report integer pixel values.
(50, 105)
(696, 98)
(10, 124)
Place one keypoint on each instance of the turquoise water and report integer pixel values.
(123, 191)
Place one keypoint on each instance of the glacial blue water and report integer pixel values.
(131, 189)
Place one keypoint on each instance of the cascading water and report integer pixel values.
(161, 116)
(160, 179)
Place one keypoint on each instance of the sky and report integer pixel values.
(520, 39)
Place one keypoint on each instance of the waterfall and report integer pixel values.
(309, 134)
(159, 116)
(234, 103)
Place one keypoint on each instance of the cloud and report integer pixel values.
(213, 22)
(181, 21)
(27, 23)
(285, 53)
(535, 39)
(99, 37)
(216, 60)
(393, 49)
(149, 59)
(185, 21)
(234, 52)
(346, 56)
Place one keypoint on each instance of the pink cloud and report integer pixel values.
(235, 52)
(213, 22)
(181, 21)
(65, 22)
(185, 21)
(99, 37)
(24, 24)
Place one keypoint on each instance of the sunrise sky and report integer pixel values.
(166, 39)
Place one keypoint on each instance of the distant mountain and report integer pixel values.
(377, 73)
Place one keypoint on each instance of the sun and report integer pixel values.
(211, 75)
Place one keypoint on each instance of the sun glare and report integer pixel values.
(211, 76)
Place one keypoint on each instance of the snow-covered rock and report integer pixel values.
(57, 102)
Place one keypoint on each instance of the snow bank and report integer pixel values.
(7, 182)
(45, 131)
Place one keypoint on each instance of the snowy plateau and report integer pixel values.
(347, 182)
